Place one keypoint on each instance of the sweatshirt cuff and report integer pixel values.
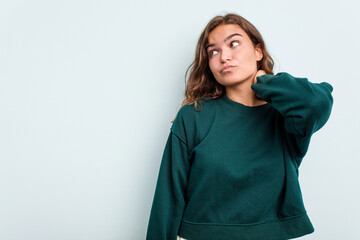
(256, 87)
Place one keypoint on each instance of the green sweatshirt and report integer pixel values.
(230, 171)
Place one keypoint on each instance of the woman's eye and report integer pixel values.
(233, 44)
(212, 52)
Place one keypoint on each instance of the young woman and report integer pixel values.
(230, 166)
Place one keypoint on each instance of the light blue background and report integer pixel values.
(88, 90)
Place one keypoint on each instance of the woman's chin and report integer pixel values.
(233, 81)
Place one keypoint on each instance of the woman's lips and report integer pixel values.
(226, 69)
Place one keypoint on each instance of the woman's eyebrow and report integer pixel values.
(226, 39)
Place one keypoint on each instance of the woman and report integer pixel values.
(230, 165)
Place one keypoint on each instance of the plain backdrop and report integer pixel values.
(88, 90)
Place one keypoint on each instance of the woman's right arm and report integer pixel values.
(169, 198)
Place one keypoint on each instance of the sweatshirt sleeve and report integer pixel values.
(169, 198)
(305, 106)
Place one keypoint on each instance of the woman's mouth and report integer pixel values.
(227, 68)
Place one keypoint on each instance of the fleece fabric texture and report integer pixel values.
(230, 171)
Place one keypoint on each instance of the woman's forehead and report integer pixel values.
(224, 31)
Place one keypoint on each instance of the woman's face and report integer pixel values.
(232, 56)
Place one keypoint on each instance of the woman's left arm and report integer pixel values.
(305, 106)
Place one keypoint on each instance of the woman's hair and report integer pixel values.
(201, 82)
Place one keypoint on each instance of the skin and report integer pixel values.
(239, 52)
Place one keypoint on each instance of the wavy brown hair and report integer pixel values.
(201, 83)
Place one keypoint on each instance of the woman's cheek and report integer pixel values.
(212, 67)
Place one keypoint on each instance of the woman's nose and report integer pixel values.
(225, 55)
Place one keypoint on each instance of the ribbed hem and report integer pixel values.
(277, 230)
(239, 107)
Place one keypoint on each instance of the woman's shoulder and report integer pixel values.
(202, 107)
(191, 119)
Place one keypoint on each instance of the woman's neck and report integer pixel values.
(242, 93)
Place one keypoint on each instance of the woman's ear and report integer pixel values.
(258, 52)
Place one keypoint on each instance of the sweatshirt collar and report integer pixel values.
(236, 106)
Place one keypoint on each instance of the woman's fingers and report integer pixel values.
(258, 74)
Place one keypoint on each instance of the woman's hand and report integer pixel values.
(258, 74)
